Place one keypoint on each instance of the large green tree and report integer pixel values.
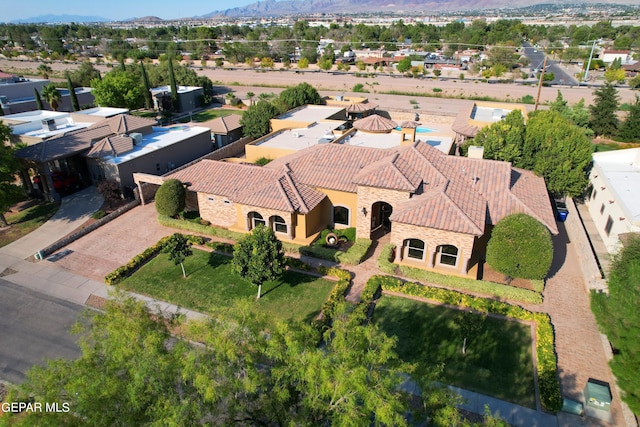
(503, 140)
(258, 257)
(118, 89)
(10, 193)
(603, 120)
(300, 95)
(630, 128)
(520, 246)
(39, 105)
(171, 198)
(84, 74)
(133, 372)
(557, 150)
(618, 316)
(148, 102)
(256, 120)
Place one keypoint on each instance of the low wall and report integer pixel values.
(588, 262)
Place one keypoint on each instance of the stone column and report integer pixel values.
(465, 265)
(430, 257)
(398, 253)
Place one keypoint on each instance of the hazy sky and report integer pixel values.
(114, 9)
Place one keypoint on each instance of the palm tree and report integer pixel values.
(250, 95)
(52, 96)
(44, 70)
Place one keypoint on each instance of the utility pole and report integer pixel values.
(544, 68)
(586, 72)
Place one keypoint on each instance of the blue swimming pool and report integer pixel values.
(419, 129)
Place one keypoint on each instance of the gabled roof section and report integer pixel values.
(530, 192)
(250, 185)
(438, 209)
(223, 125)
(73, 142)
(125, 123)
(330, 166)
(392, 172)
(111, 146)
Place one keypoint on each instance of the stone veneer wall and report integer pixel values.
(432, 239)
(266, 214)
(214, 209)
(367, 196)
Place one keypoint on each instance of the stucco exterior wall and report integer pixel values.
(603, 204)
(254, 152)
(341, 198)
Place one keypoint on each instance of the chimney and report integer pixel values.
(476, 152)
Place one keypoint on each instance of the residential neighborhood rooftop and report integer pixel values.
(310, 113)
(621, 169)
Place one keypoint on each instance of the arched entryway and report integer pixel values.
(380, 222)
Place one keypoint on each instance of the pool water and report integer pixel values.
(419, 129)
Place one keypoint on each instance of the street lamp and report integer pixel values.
(586, 72)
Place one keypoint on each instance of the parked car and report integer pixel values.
(63, 183)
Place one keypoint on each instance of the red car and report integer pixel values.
(63, 183)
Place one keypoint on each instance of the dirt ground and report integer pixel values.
(328, 81)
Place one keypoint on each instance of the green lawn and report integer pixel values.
(498, 359)
(24, 222)
(210, 282)
(213, 113)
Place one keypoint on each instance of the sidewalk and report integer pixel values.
(74, 211)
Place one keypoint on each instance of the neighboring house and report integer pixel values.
(224, 130)
(631, 70)
(480, 114)
(17, 96)
(438, 209)
(613, 196)
(36, 126)
(158, 150)
(608, 56)
(188, 97)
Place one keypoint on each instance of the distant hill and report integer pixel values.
(293, 7)
(145, 19)
(60, 19)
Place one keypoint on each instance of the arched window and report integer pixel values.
(278, 224)
(414, 248)
(340, 215)
(256, 219)
(447, 255)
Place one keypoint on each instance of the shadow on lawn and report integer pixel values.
(292, 279)
(498, 352)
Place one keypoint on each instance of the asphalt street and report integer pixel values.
(536, 57)
(33, 326)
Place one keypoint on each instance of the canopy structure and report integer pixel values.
(375, 124)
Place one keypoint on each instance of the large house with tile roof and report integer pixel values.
(438, 209)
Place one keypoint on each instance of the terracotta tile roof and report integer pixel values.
(223, 125)
(449, 193)
(409, 124)
(375, 123)
(111, 146)
(461, 124)
(330, 166)
(250, 185)
(361, 107)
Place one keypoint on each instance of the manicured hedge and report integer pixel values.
(122, 272)
(385, 263)
(549, 386)
(353, 256)
(461, 283)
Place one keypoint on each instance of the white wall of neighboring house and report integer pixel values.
(614, 195)
(609, 56)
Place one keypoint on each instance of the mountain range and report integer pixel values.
(431, 7)
(263, 8)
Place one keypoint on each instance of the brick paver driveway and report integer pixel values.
(113, 244)
(578, 343)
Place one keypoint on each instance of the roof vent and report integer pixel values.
(296, 134)
(137, 137)
(49, 124)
